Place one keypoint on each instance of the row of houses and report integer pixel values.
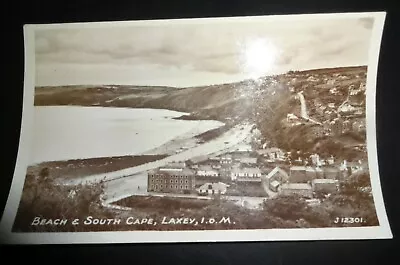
(308, 189)
(234, 172)
(299, 182)
(305, 180)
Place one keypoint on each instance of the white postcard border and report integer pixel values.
(382, 231)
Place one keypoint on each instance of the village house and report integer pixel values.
(346, 109)
(343, 165)
(315, 159)
(353, 167)
(214, 158)
(274, 185)
(175, 165)
(275, 178)
(273, 153)
(325, 185)
(207, 171)
(212, 188)
(301, 189)
(246, 173)
(171, 180)
(334, 91)
(354, 91)
(323, 162)
(330, 160)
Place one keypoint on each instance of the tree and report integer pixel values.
(42, 198)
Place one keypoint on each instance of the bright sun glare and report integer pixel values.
(259, 56)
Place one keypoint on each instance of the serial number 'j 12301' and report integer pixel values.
(349, 220)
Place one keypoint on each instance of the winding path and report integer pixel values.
(304, 113)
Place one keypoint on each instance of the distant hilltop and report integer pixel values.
(331, 70)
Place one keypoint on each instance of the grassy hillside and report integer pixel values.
(265, 102)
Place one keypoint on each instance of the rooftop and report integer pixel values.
(225, 157)
(298, 168)
(206, 168)
(169, 172)
(310, 169)
(175, 165)
(248, 179)
(276, 170)
(275, 183)
(320, 181)
(250, 170)
(296, 186)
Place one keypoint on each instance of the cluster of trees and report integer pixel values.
(42, 197)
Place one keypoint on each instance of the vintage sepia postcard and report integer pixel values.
(199, 130)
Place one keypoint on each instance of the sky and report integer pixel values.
(195, 54)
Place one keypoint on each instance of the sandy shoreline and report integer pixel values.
(76, 168)
(183, 142)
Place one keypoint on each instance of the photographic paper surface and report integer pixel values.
(199, 130)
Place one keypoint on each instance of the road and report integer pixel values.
(227, 140)
(124, 187)
(303, 109)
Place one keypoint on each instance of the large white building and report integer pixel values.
(245, 172)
